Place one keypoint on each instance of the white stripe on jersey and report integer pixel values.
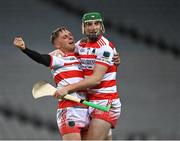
(109, 76)
(112, 89)
(64, 69)
(66, 81)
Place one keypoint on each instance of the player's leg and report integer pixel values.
(84, 134)
(85, 137)
(71, 136)
(98, 129)
(70, 122)
(103, 121)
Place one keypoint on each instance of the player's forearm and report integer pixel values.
(84, 84)
(44, 59)
(93, 80)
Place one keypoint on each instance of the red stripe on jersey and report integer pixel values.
(102, 42)
(70, 54)
(113, 68)
(68, 74)
(105, 84)
(90, 45)
(111, 45)
(102, 63)
(87, 72)
(82, 44)
(101, 96)
(87, 56)
(68, 103)
(66, 64)
(99, 43)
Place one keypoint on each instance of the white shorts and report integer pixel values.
(112, 115)
(72, 120)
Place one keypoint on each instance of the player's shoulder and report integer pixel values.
(56, 53)
(106, 43)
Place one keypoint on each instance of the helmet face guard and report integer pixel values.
(92, 16)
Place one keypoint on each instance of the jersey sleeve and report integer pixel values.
(105, 55)
(56, 62)
(44, 59)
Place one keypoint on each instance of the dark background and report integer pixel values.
(145, 33)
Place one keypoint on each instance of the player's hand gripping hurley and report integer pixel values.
(42, 88)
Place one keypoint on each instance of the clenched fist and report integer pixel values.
(19, 43)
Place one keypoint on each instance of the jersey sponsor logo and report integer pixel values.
(105, 57)
(82, 50)
(106, 54)
(87, 62)
(79, 67)
(87, 51)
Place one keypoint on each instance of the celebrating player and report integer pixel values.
(72, 117)
(96, 57)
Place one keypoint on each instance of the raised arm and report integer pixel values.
(44, 59)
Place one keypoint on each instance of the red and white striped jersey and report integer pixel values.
(99, 52)
(66, 70)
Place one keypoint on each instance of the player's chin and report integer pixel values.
(71, 47)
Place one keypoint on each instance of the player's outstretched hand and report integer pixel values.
(19, 43)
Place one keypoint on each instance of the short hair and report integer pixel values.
(55, 33)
